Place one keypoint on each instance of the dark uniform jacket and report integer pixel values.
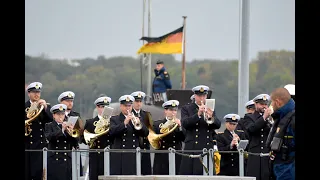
(240, 126)
(199, 135)
(96, 159)
(36, 140)
(59, 163)
(161, 81)
(173, 140)
(124, 138)
(258, 130)
(229, 164)
(144, 144)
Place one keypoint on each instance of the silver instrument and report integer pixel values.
(135, 121)
(233, 134)
(208, 121)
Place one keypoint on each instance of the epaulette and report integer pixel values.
(219, 132)
(240, 130)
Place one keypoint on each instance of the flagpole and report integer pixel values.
(183, 75)
(142, 56)
(149, 83)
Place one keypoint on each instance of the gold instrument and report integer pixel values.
(166, 128)
(77, 129)
(102, 126)
(32, 113)
(135, 121)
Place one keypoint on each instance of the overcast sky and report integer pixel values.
(82, 28)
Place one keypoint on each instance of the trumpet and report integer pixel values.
(270, 119)
(208, 121)
(234, 137)
(135, 121)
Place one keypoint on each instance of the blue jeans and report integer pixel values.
(284, 171)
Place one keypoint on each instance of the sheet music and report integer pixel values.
(107, 112)
(210, 103)
(73, 119)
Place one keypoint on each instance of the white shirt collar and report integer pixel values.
(136, 111)
(100, 117)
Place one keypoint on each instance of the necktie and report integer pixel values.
(60, 125)
(138, 114)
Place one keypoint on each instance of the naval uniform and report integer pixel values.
(173, 140)
(59, 163)
(199, 135)
(125, 137)
(36, 140)
(96, 159)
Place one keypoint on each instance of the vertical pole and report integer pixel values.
(44, 163)
(138, 161)
(142, 56)
(183, 75)
(243, 76)
(106, 162)
(149, 83)
(172, 162)
(205, 161)
(210, 159)
(78, 163)
(241, 163)
(74, 164)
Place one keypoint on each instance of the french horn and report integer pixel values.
(32, 113)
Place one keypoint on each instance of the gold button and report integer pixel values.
(163, 141)
(57, 140)
(39, 122)
(196, 142)
(207, 137)
(57, 159)
(197, 124)
(174, 146)
(261, 135)
(31, 142)
(196, 136)
(30, 135)
(107, 140)
(123, 139)
(98, 141)
(144, 143)
(124, 134)
(56, 147)
(231, 153)
(65, 141)
(261, 141)
(40, 129)
(65, 147)
(57, 153)
(98, 146)
(98, 152)
(207, 143)
(231, 159)
(173, 136)
(163, 146)
(133, 145)
(174, 141)
(197, 130)
(41, 142)
(231, 164)
(144, 149)
(207, 130)
(133, 134)
(133, 140)
(65, 153)
(65, 159)
(40, 135)
(123, 145)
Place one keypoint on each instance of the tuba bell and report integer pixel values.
(102, 126)
(166, 128)
(32, 113)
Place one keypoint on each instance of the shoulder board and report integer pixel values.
(49, 123)
(240, 130)
(219, 132)
(165, 72)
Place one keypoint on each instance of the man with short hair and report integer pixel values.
(161, 82)
(34, 137)
(281, 138)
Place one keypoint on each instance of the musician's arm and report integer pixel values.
(52, 133)
(179, 133)
(216, 122)
(222, 144)
(254, 126)
(156, 126)
(116, 127)
(189, 122)
(47, 115)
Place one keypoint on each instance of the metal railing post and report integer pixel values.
(211, 159)
(241, 162)
(106, 157)
(44, 162)
(172, 161)
(205, 161)
(74, 164)
(138, 161)
(78, 163)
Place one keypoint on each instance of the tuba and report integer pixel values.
(32, 113)
(135, 121)
(102, 126)
(166, 128)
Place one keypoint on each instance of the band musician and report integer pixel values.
(173, 139)
(34, 134)
(96, 159)
(143, 141)
(126, 129)
(58, 133)
(200, 130)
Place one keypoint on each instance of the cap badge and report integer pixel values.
(201, 89)
(105, 100)
(139, 95)
(69, 95)
(127, 98)
(233, 118)
(61, 108)
(264, 97)
(173, 104)
(37, 86)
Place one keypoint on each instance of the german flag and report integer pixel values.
(170, 43)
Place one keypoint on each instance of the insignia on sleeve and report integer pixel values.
(165, 72)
